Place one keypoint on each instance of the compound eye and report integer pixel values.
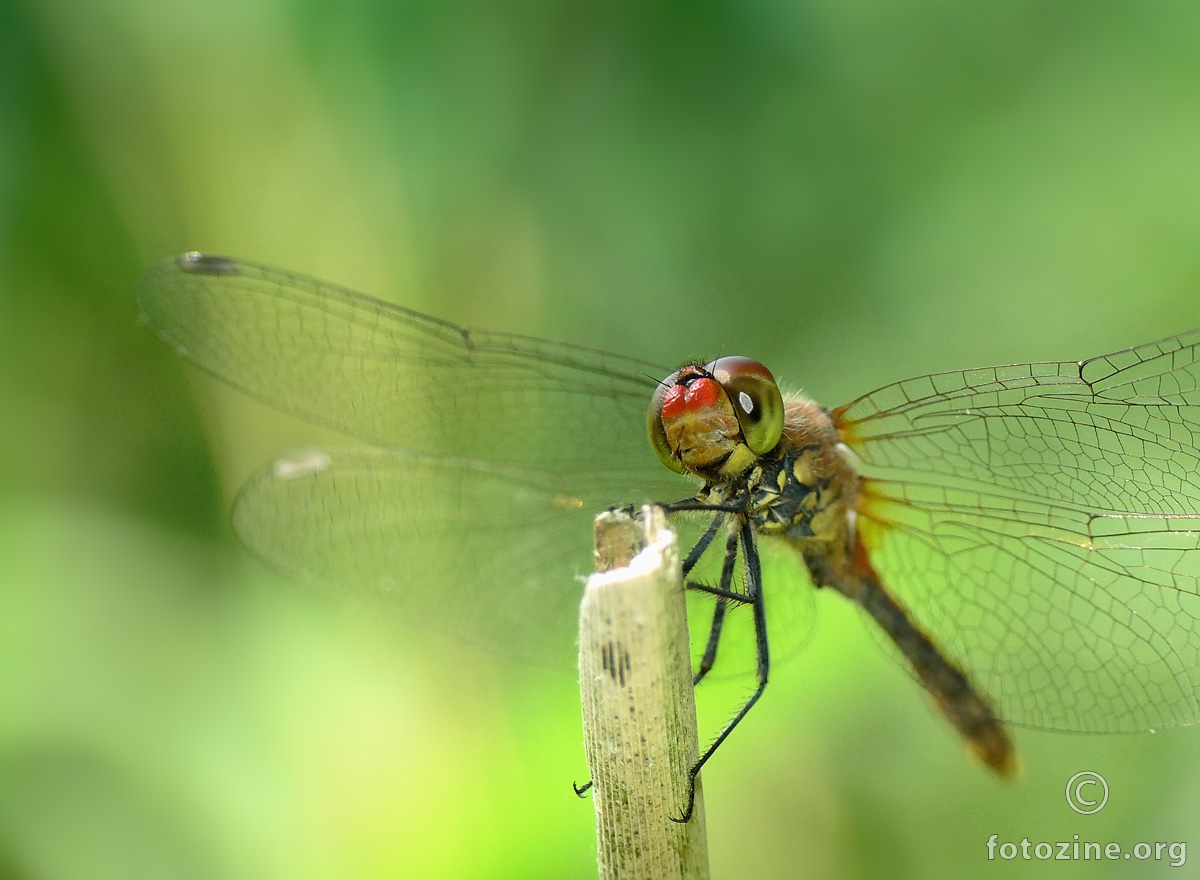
(654, 426)
(755, 397)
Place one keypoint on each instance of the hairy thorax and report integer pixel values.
(803, 491)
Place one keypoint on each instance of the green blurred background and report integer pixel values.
(853, 192)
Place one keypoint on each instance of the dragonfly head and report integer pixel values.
(714, 420)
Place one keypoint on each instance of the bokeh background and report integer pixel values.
(853, 192)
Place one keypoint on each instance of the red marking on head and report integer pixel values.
(695, 396)
(673, 402)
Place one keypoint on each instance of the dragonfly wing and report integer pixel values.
(397, 378)
(1116, 434)
(567, 422)
(1042, 521)
(1066, 620)
(494, 554)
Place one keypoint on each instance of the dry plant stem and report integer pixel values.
(639, 714)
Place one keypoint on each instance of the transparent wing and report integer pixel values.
(492, 554)
(1042, 521)
(495, 554)
(475, 517)
(397, 378)
(1116, 433)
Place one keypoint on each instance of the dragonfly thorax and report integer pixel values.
(802, 491)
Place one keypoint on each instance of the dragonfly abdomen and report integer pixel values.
(953, 692)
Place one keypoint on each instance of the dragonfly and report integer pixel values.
(1025, 537)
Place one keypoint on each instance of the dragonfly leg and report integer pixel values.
(703, 544)
(723, 597)
(754, 592)
(714, 638)
(695, 504)
(725, 590)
